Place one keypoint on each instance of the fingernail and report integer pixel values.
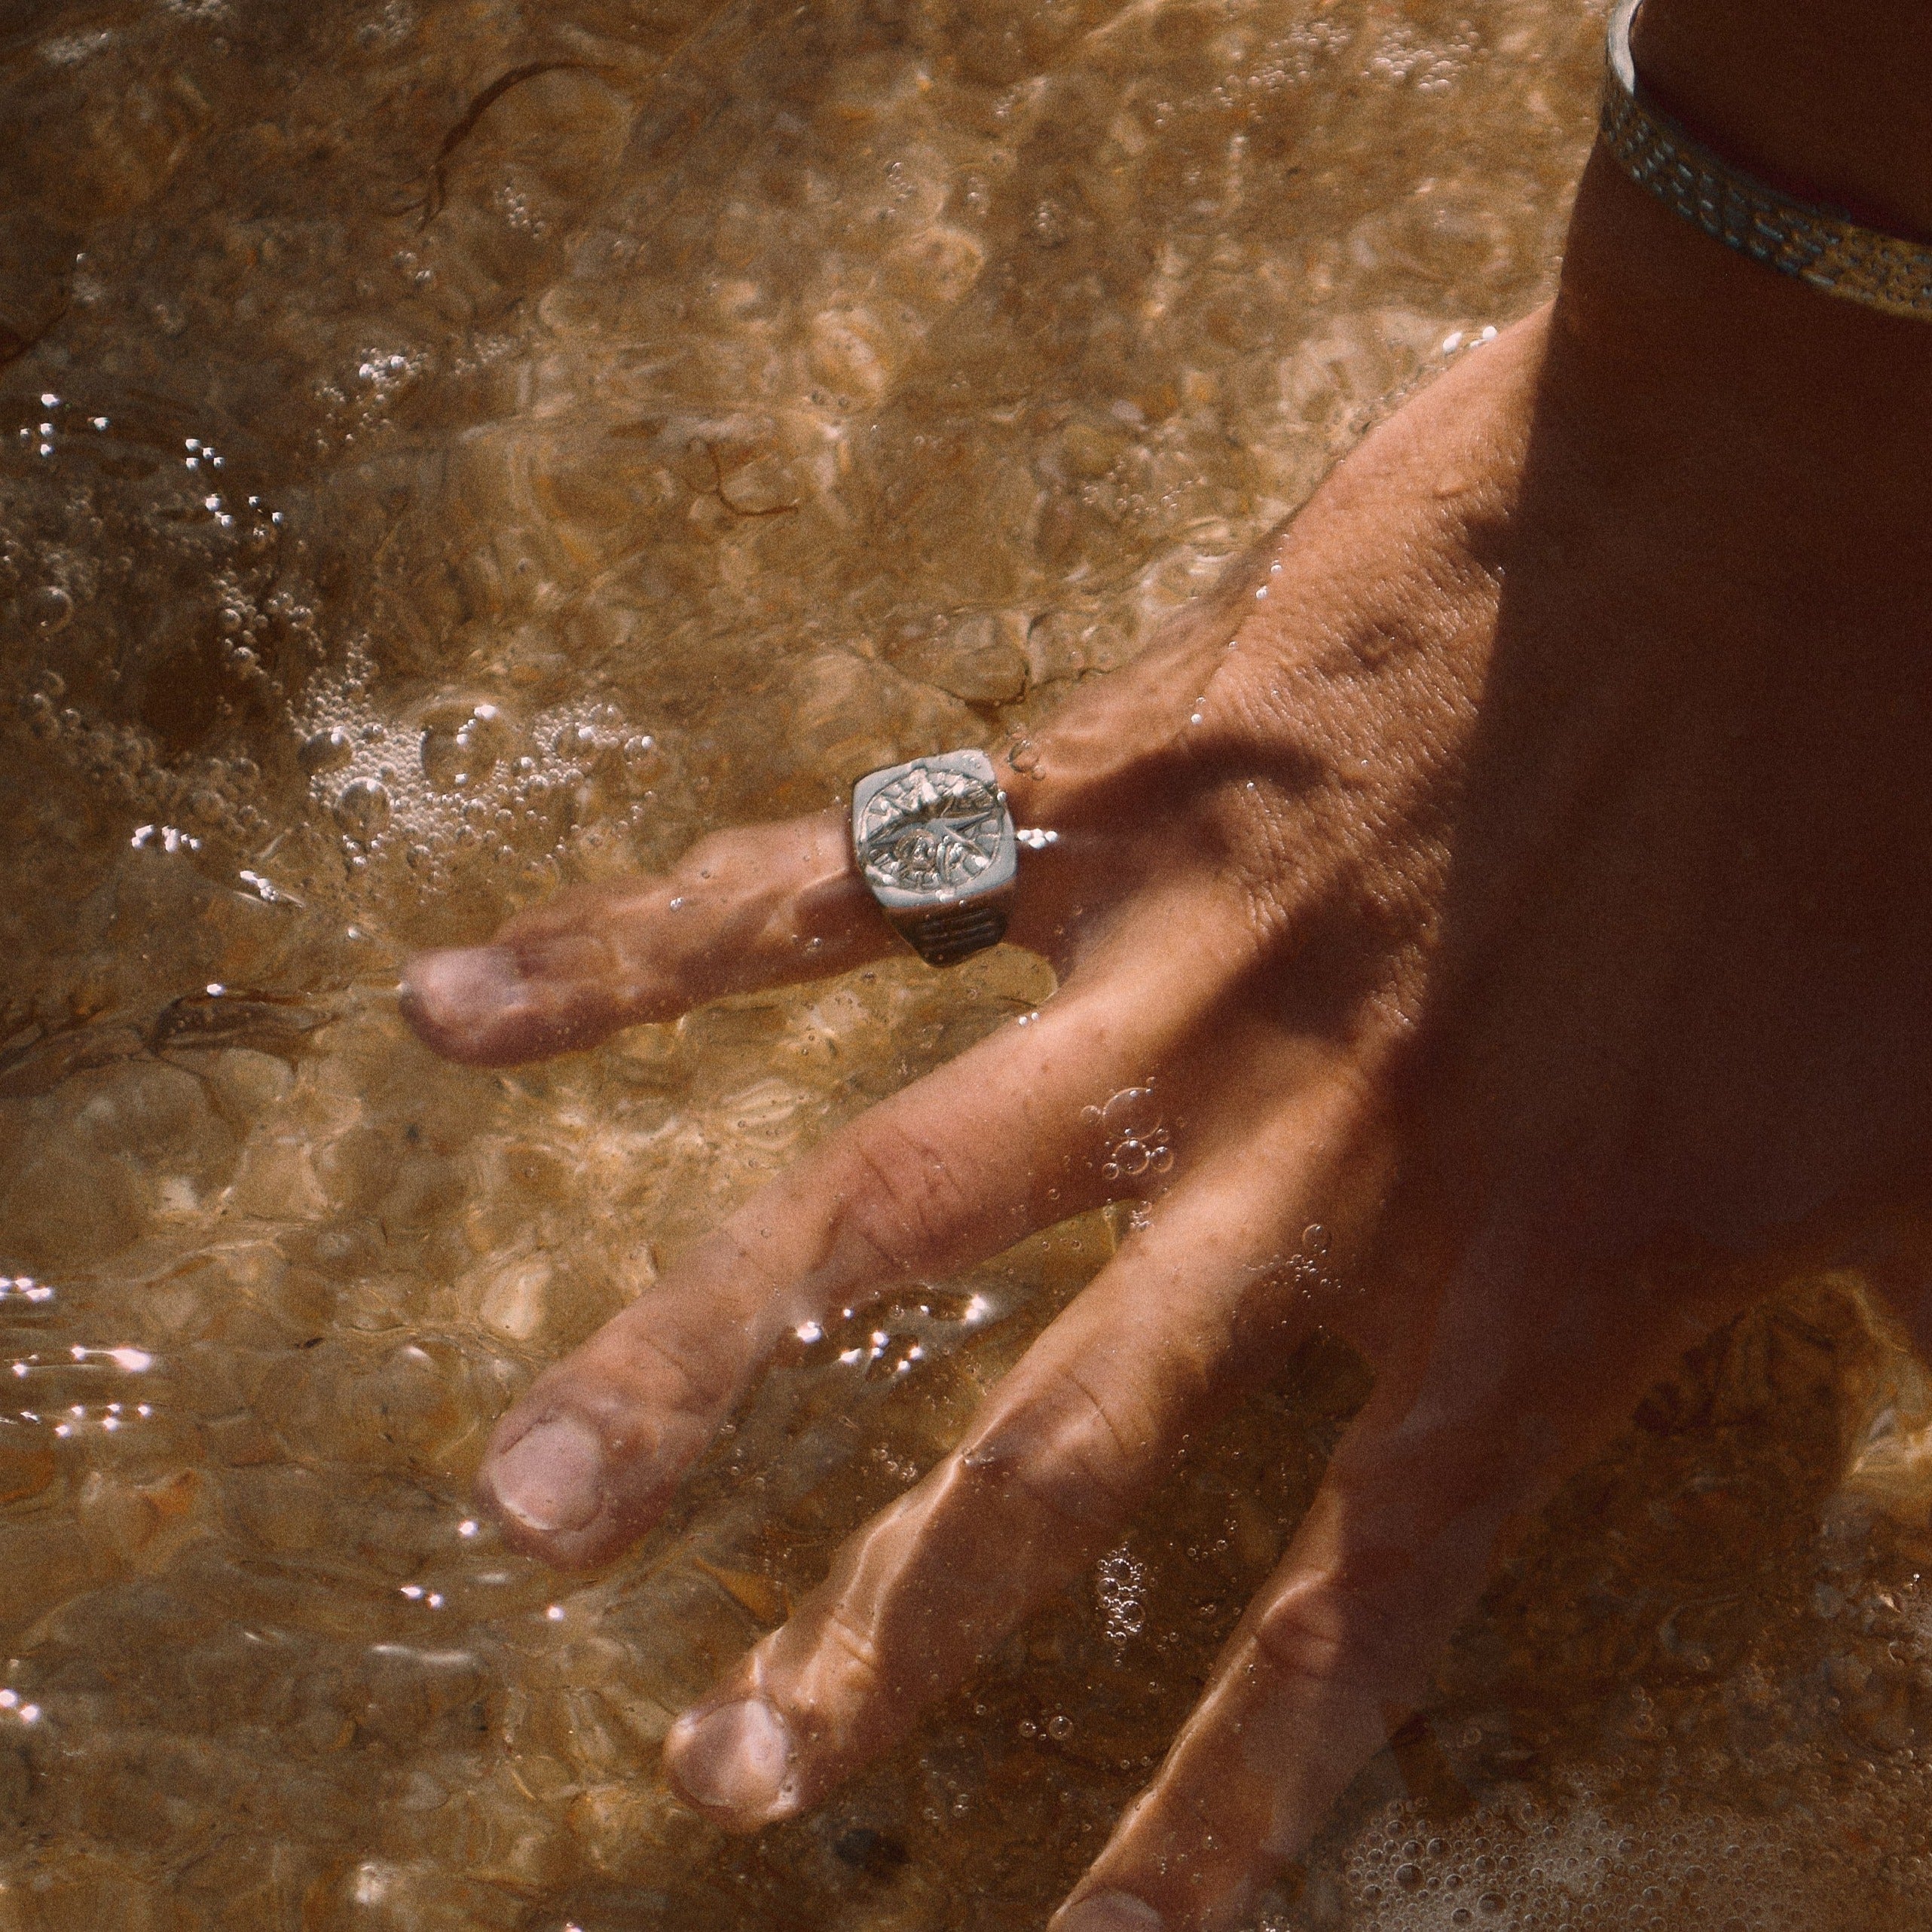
(455, 989)
(1110, 1912)
(551, 1478)
(737, 1758)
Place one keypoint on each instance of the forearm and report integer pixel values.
(1829, 99)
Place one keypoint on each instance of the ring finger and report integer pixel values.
(1064, 1451)
(957, 1166)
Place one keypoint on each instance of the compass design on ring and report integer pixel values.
(931, 831)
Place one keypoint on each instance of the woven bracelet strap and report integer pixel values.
(1819, 245)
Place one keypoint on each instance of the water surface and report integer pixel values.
(449, 451)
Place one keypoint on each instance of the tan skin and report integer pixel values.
(1533, 889)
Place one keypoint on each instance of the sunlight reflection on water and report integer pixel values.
(450, 452)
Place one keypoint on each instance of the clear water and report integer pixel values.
(449, 451)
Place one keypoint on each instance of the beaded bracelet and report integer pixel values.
(1820, 245)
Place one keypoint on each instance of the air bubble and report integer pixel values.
(644, 757)
(1120, 1585)
(52, 608)
(462, 748)
(326, 751)
(363, 808)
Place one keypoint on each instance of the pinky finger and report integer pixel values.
(1452, 1454)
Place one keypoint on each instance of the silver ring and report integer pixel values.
(935, 842)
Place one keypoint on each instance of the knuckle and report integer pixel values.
(858, 1666)
(899, 1191)
(1335, 1629)
(728, 892)
(706, 855)
(858, 1678)
(662, 1369)
(702, 1383)
(1073, 1451)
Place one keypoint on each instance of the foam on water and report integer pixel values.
(449, 453)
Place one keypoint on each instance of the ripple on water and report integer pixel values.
(452, 453)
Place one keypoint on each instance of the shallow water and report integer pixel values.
(448, 451)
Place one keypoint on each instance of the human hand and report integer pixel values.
(1485, 878)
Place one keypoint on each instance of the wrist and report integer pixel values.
(1746, 415)
(1787, 405)
(1830, 100)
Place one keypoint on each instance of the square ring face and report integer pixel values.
(934, 832)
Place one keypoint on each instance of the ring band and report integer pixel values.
(944, 939)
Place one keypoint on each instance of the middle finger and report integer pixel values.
(959, 1164)
(1068, 1446)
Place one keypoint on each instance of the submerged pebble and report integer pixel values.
(453, 453)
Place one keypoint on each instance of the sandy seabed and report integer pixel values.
(447, 451)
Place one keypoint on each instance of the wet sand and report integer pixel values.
(446, 452)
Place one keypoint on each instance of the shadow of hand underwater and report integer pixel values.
(1503, 882)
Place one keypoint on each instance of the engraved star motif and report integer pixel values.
(931, 831)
